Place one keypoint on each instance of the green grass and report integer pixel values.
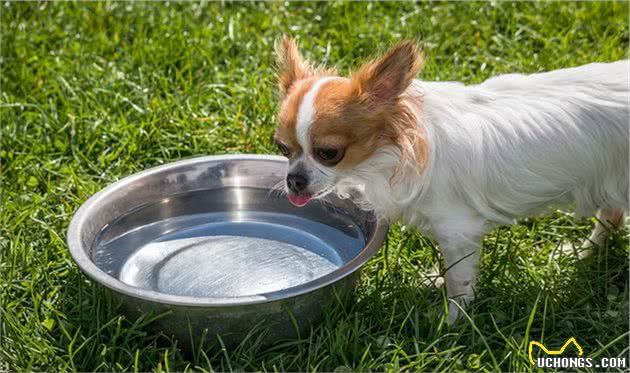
(93, 92)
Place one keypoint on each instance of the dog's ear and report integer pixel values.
(386, 78)
(290, 64)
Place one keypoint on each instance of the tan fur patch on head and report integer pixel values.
(295, 78)
(342, 121)
(287, 116)
(366, 112)
(357, 115)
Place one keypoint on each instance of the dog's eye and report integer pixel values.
(329, 156)
(283, 149)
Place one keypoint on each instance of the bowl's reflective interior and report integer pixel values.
(226, 242)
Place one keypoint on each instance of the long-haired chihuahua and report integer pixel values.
(456, 160)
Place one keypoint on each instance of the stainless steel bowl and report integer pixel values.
(208, 243)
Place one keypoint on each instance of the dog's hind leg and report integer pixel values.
(607, 220)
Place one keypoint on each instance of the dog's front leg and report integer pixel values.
(461, 252)
(462, 268)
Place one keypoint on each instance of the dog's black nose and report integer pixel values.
(297, 182)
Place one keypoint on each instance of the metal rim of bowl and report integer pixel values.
(87, 266)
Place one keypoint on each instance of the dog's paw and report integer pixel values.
(457, 310)
(453, 313)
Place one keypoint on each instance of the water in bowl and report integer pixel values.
(226, 243)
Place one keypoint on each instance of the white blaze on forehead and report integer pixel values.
(306, 113)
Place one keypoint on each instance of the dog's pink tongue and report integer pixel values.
(299, 201)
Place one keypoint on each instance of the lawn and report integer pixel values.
(92, 92)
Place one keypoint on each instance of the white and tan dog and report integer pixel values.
(456, 160)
